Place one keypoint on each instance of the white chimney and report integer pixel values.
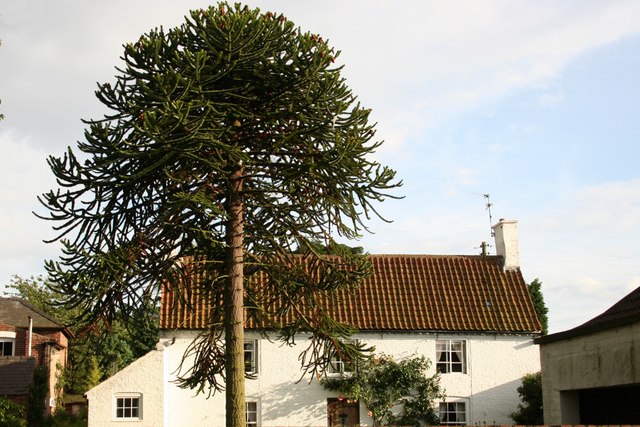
(506, 234)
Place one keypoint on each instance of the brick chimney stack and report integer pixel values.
(506, 235)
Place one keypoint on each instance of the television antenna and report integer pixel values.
(487, 207)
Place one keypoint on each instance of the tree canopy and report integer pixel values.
(231, 140)
(535, 291)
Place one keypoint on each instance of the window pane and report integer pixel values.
(249, 356)
(252, 414)
(337, 365)
(7, 348)
(128, 407)
(453, 413)
(450, 356)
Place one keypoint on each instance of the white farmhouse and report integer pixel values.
(470, 315)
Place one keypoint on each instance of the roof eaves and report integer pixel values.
(61, 326)
(587, 329)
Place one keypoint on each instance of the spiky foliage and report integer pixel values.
(232, 140)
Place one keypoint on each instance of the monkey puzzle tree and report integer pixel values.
(232, 140)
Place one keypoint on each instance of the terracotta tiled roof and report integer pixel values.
(624, 312)
(415, 293)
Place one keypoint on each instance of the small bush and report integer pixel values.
(64, 419)
(530, 410)
(11, 414)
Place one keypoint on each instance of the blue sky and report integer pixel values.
(534, 103)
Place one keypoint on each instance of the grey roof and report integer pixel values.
(16, 374)
(624, 312)
(16, 312)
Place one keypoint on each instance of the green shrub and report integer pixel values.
(64, 419)
(11, 414)
(530, 410)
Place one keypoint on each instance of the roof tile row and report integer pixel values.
(412, 293)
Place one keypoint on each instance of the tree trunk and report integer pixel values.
(234, 305)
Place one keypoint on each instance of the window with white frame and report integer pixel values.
(251, 356)
(451, 356)
(128, 407)
(454, 413)
(252, 413)
(7, 343)
(7, 347)
(337, 365)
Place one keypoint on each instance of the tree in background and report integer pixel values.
(530, 410)
(38, 389)
(395, 392)
(96, 352)
(333, 248)
(231, 140)
(535, 292)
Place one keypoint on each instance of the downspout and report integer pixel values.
(30, 336)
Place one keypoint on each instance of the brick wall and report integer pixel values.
(7, 328)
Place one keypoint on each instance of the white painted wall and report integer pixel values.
(495, 367)
(143, 376)
(506, 237)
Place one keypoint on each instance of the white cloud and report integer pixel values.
(585, 245)
(25, 176)
(445, 60)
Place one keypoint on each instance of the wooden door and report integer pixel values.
(343, 413)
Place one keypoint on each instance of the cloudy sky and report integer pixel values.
(536, 103)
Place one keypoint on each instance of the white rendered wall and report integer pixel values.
(496, 365)
(143, 376)
(506, 236)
